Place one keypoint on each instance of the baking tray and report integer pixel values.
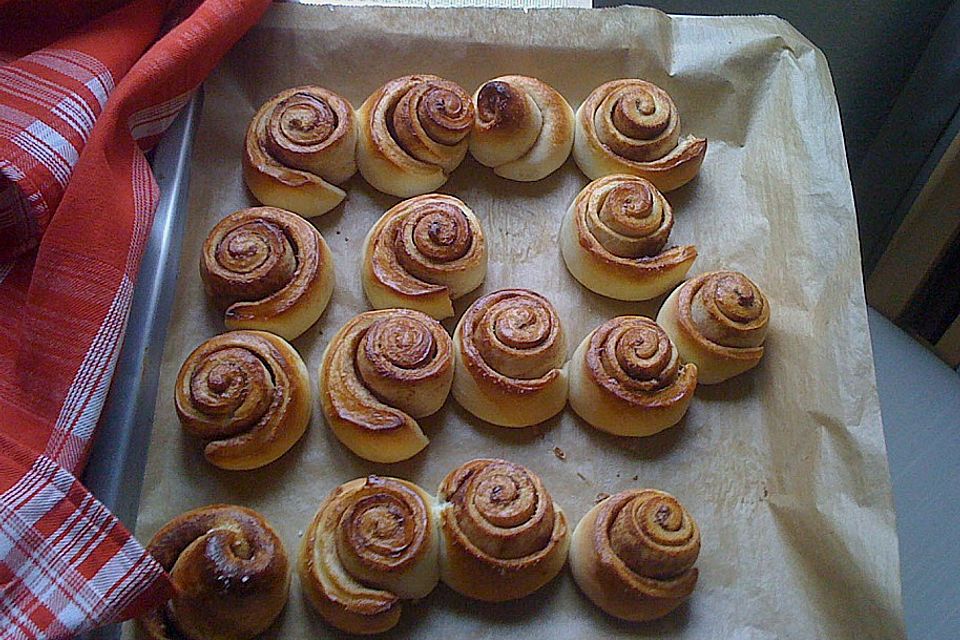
(114, 472)
(116, 467)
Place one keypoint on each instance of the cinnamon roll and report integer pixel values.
(626, 378)
(509, 351)
(413, 134)
(502, 535)
(268, 269)
(229, 571)
(524, 128)
(422, 254)
(299, 146)
(247, 393)
(380, 372)
(373, 543)
(613, 240)
(719, 322)
(633, 554)
(633, 127)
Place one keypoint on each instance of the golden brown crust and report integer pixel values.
(524, 128)
(269, 269)
(632, 126)
(632, 358)
(373, 542)
(247, 393)
(382, 370)
(618, 228)
(512, 339)
(503, 536)
(422, 254)
(229, 570)
(299, 145)
(510, 349)
(413, 133)
(633, 554)
(725, 312)
(626, 378)
(719, 321)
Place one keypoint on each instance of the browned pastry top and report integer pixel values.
(367, 532)
(422, 242)
(379, 351)
(235, 390)
(647, 542)
(500, 513)
(632, 358)
(228, 566)
(513, 339)
(300, 129)
(421, 111)
(724, 312)
(625, 222)
(264, 255)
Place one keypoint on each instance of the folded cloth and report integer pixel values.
(76, 202)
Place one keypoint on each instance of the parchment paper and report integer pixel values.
(784, 467)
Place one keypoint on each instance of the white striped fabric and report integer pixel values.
(84, 400)
(57, 585)
(154, 120)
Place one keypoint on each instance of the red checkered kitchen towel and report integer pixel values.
(85, 87)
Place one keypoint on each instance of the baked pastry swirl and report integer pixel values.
(299, 146)
(718, 321)
(613, 238)
(524, 128)
(503, 537)
(633, 554)
(413, 133)
(230, 574)
(247, 393)
(380, 372)
(632, 126)
(422, 254)
(626, 378)
(373, 543)
(269, 269)
(509, 351)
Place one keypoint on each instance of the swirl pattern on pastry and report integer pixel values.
(633, 554)
(631, 126)
(299, 146)
(509, 352)
(524, 128)
(503, 537)
(382, 370)
(422, 254)
(413, 134)
(269, 269)
(247, 393)
(230, 574)
(718, 321)
(373, 543)
(626, 378)
(613, 238)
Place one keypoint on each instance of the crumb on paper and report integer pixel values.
(557, 451)
(635, 478)
(603, 495)
(582, 477)
(300, 533)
